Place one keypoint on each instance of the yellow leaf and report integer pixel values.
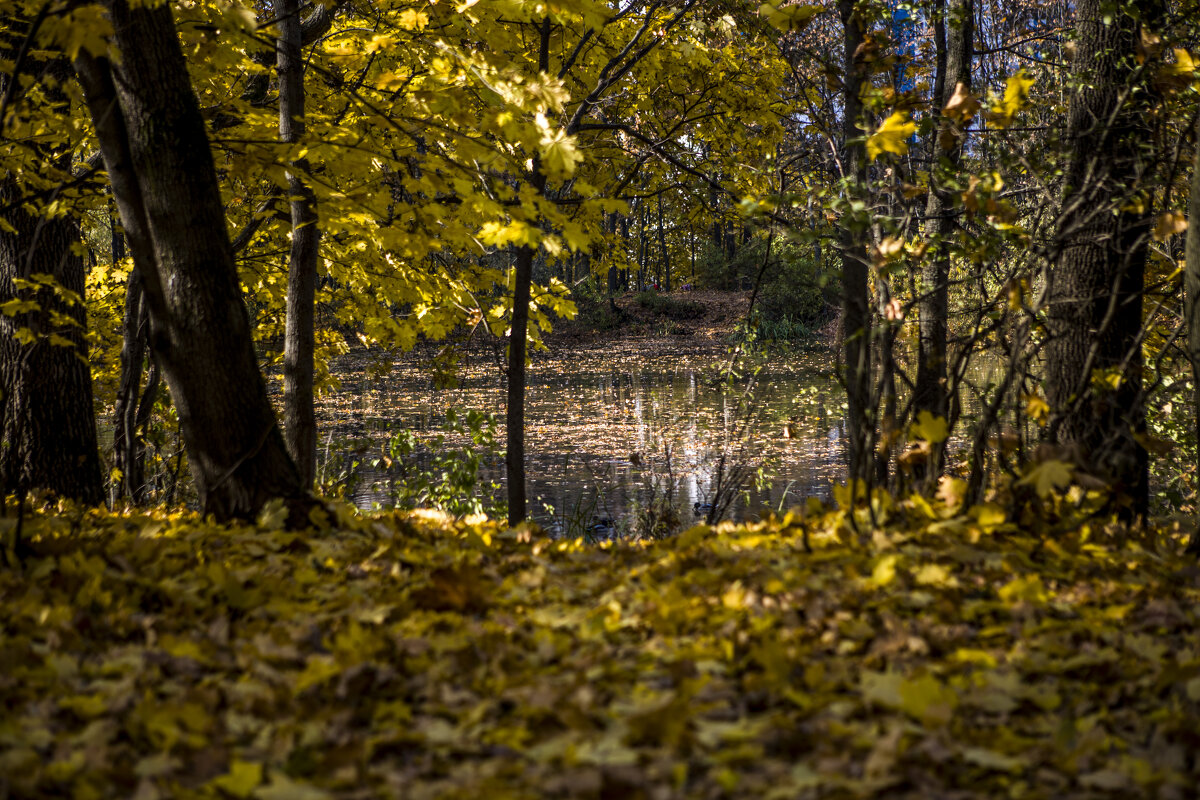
(1028, 589)
(930, 428)
(273, 515)
(892, 136)
(885, 570)
(411, 19)
(559, 154)
(284, 788)
(1016, 95)
(242, 779)
(1047, 477)
(934, 575)
(789, 18)
(1169, 223)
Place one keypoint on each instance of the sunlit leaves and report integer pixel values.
(892, 136)
(790, 17)
(1005, 108)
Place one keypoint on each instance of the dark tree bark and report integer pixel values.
(158, 160)
(514, 413)
(856, 311)
(48, 420)
(299, 416)
(955, 30)
(1191, 285)
(1095, 288)
(128, 451)
(49, 423)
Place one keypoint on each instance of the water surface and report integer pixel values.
(616, 432)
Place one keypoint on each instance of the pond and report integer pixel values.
(620, 435)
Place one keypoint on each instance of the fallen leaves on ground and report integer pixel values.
(155, 656)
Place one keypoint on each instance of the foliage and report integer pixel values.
(407, 655)
(795, 288)
(669, 306)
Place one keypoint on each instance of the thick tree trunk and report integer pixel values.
(1095, 288)
(1191, 285)
(299, 416)
(956, 32)
(49, 423)
(856, 312)
(158, 159)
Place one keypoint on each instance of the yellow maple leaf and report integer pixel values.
(892, 136)
(1051, 475)
(930, 428)
(1016, 95)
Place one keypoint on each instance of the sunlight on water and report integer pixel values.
(610, 430)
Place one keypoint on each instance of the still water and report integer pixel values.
(614, 431)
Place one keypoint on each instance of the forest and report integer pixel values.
(599, 398)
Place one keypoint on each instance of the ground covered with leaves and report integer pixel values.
(946, 654)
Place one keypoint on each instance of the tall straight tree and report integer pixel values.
(299, 417)
(1094, 354)
(856, 309)
(157, 155)
(49, 423)
(954, 31)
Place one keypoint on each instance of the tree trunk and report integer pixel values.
(157, 156)
(299, 416)
(1191, 283)
(856, 312)
(49, 423)
(514, 415)
(48, 419)
(1095, 288)
(954, 71)
(127, 453)
(955, 52)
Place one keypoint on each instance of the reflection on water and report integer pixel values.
(610, 432)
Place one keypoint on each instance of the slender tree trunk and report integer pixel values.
(299, 416)
(955, 37)
(157, 156)
(856, 311)
(662, 246)
(514, 417)
(1095, 288)
(135, 327)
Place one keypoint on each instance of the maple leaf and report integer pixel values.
(892, 136)
(1049, 476)
(1016, 94)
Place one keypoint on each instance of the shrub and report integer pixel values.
(669, 306)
